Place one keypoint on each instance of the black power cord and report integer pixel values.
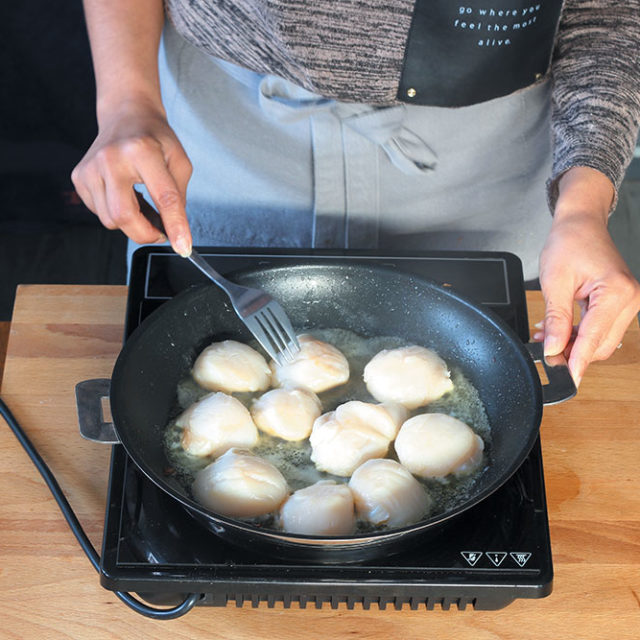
(78, 531)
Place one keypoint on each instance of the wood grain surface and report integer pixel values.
(63, 334)
(4, 339)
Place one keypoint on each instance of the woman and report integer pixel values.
(413, 124)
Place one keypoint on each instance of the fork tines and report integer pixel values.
(279, 338)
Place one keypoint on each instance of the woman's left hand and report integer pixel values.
(580, 263)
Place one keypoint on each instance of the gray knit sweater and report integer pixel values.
(353, 50)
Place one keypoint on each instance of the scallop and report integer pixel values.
(318, 366)
(385, 418)
(231, 366)
(322, 509)
(385, 493)
(412, 376)
(240, 484)
(216, 423)
(340, 446)
(433, 445)
(286, 413)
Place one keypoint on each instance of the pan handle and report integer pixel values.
(89, 395)
(561, 386)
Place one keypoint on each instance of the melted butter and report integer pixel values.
(293, 458)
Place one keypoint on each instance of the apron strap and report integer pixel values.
(346, 139)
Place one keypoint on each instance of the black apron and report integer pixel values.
(463, 53)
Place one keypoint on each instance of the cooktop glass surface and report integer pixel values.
(492, 554)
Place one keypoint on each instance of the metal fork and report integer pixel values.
(261, 314)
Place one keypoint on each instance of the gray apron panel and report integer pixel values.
(276, 165)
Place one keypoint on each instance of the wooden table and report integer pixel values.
(4, 339)
(63, 334)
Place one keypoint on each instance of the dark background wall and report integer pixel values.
(47, 122)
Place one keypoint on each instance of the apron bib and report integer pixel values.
(464, 53)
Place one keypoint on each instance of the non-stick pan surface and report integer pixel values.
(370, 301)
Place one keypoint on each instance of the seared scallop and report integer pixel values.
(286, 413)
(385, 418)
(385, 493)
(412, 376)
(240, 484)
(231, 366)
(340, 446)
(322, 509)
(433, 445)
(216, 423)
(318, 366)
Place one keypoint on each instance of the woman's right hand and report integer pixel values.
(136, 145)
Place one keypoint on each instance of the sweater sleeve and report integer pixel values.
(596, 89)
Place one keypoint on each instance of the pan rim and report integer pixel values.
(357, 539)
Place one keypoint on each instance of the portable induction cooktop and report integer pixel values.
(494, 553)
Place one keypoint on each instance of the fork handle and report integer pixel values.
(156, 220)
(230, 288)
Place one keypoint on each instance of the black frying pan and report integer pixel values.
(369, 301)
